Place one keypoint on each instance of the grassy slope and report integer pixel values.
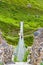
(14, 11)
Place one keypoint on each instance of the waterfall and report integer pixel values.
(21, 46)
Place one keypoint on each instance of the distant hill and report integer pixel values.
(14, 11)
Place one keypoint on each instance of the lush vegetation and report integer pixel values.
(14, 11)
(25, 56)
(41, 64)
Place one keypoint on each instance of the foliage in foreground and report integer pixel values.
(25, 56)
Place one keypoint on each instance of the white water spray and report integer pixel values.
(21, 47)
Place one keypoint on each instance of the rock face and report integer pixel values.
(6, 51)
(7, 54)
(36, 55)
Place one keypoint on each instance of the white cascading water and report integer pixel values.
(21, 46)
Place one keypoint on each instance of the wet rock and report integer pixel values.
(37, 48)
(7, 54)
(6, 51)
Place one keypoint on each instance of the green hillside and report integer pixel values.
(14, 11)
